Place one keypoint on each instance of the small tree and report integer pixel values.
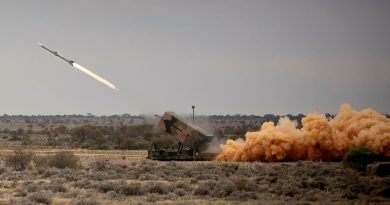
(19, 159)
(64, 159)
(358, 158)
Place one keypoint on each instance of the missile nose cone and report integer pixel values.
(40, 44)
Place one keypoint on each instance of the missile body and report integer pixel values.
(56, 54)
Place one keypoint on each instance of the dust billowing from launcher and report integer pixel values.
(319, 138)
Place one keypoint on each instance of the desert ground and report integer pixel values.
(127, 177)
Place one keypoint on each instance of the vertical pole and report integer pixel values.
(193, 114)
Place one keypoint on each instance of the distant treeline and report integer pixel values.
(120, 133)
(91, 136)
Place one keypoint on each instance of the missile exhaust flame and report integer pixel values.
(95, 76)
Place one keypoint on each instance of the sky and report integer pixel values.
(223, 56)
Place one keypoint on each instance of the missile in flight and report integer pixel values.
(83, 69)
(56, 54)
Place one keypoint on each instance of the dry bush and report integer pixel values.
(98, 176)
(64, 159)
(229, 168)
(41, 162)
(20, 193)
(241, 183)
(107, 186)
(87, 202)
(311, 195)
(153, 197)
(242, 196)
(132, 189)
(100, 165)
(72, 194)
(56, 187)
(185, 186)
(82, 184)
(2, 170)
(202, 189)
(180, 192)
(214, 188)
(223, 188)
(148, 177)
(310, 183)
(49, 172)
(60, 160)
(40, 197)
(18, 201)
(33, 187)
(71, 175)
(157, 187)
(19, 159)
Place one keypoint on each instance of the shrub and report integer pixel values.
(130, 189)
(33, 187)
(153, 197)
(185, 186)
(201, 190)
(223, 188)
(87, 202)
(40, 162)
(180, 192)
(2, 170)
(40, 197)
(20, 193)
(63, 160)
(219, 189)
(318, 183)
(358, 158)
(19, 159)
(105, 187)
(157, 187)
(57, 188)
(241, 184)
(50, 172)
(242, 196)
(100, 165)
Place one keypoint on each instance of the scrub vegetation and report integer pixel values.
(67, 178)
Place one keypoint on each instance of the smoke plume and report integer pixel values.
(95, 76)
(319, 138)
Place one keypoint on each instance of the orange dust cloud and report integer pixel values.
(318, 139)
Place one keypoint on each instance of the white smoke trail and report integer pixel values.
(97, 77)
